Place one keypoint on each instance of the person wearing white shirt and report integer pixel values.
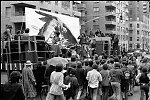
(93, 77)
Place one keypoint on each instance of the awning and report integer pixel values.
(24, 4)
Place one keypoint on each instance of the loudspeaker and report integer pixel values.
(102, 46)
(99, 47)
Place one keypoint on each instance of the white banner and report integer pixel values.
(46, 23)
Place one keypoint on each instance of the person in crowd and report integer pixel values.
(93, 77)
(97, 62)
(56, 37)
(115, 78)
(26, 32)
(116, 60)
(13, 90)
(85, 64)
(143, 64)
(47, 74)
(93, 47)
(103, 61)
(74, 84)
(106, 82)
(144, 79)
(89, 68)
(81, 79)
(92, 34)
(131, 85)
(18, 34)
(7, 35)
(111, 64)
(125, 80)
(57, 85)
(73, 61)
(39, 77)
(82, 38)
(29, 81)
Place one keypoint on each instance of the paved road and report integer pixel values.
(136, 95)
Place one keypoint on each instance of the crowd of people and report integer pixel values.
(110, 78)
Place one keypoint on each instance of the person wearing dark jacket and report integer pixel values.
(73, 81)
(81, 78)
(13, 89)
(116, 74)
(125, 80)
(144, 79)
(47, 74)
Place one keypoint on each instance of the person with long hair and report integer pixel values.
(13, 89)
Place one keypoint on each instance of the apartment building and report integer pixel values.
(109, 22)
(139, 26)
(13, 12)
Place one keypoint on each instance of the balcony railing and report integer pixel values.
(109, 1)
(20, 13)
(110, 20)
(112, 11)
(110, 29)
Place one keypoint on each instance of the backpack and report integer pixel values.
(127, 74)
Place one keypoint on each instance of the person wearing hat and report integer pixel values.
(29, 81)
(13, 89)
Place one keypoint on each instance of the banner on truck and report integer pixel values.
(46, 23)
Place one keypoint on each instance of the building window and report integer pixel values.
(130, 45)
(96, 9)
(96, 18)
(45, 9)
(130, 25)
(65, 4)
(138, 26)
(138, 39)
(95, 27)
(138, 46)
(130, 38)
(118, 28)
(56, 2)
(19, 10)
(138, 32)
(8, 11)
(130, 12)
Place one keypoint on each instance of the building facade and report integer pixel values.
(139, 26)
(13, 12)
(108, 22)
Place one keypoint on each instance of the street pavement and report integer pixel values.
(136, 95)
